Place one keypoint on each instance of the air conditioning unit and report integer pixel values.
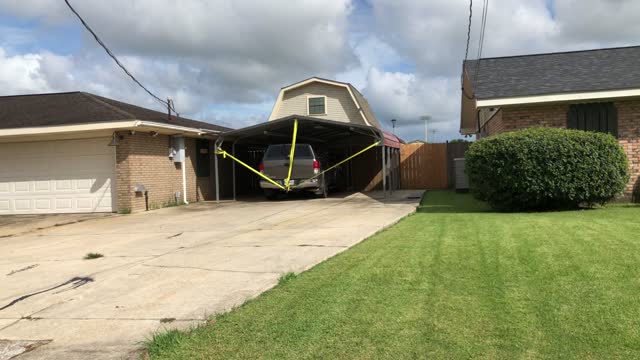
(462, 182)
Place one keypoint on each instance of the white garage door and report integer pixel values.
(66, 176)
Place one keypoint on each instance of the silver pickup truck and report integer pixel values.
(306, 164)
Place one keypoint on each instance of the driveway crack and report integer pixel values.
(75, 283)
(212, 270)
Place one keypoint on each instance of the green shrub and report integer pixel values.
(545, 168)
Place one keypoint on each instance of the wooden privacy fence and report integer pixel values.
(428, 166)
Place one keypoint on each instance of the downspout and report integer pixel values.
(217, 145)
(183, 165)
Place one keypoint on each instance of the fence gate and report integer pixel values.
(424, 166)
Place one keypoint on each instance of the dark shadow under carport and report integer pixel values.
(377, 168)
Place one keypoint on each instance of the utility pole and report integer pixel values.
(169, 108)
(393, 124)
(426, 119)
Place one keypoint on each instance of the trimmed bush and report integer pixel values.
(546, 168)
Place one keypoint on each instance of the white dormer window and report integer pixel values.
(317, 105)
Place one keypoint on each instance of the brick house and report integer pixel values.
(79, 152)
(593, 90)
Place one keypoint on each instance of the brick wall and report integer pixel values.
(522, 117)
(516, 118)
(143, 159)
(495, 125)
(629, 137)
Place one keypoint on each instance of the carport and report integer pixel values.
(376, 168)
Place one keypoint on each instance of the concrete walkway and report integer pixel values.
(167, 268)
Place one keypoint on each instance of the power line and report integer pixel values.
(485, 10)
(168, 104)
(466, 51)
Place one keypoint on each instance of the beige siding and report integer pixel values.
(339, 106)
(371, 117)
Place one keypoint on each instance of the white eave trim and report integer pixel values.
(66, 128)
(113, 125)
(175, 127)
(592, 95)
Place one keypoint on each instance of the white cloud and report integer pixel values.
(594, 22)
(21, 73)
(406, 97)
(242, 46)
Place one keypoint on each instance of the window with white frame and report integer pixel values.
(317, 105)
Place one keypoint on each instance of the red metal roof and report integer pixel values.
(391, 140)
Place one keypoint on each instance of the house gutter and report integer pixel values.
(139, 123)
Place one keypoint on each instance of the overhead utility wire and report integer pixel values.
(466, 51)
(485, 10)
(95, 36)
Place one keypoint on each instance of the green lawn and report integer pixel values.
(452, 281)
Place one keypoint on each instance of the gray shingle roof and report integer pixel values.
(20, 111)
(555, 73)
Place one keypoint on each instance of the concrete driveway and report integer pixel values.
(167, 268)
(11, 225)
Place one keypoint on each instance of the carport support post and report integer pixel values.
(215, 165)
(391, 171)
(233, 168)
(384, 172)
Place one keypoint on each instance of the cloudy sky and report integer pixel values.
(223, 61)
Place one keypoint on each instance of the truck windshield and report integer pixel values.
(277, 152)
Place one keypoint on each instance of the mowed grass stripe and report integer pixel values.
(452, 281)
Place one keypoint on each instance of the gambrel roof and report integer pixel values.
(356, 96)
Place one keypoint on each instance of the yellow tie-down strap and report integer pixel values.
(345, 160)
(225, 154)
(292, 153)
(287, 181)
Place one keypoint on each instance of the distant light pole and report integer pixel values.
(393, 124)
(426, 119)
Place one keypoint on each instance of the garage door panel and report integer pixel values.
(64, 203)
(59, 167)
(43, 204)
(63, 185)
(21, 186)
(42, 187)
(57, 176)
(22, 204)
(84, 204)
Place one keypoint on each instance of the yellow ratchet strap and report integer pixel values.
(291, 154)
(347, 159)
(225, 154)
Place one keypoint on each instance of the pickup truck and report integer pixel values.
(306, 164)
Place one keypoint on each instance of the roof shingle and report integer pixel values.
(71, 108)
(556, 73)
